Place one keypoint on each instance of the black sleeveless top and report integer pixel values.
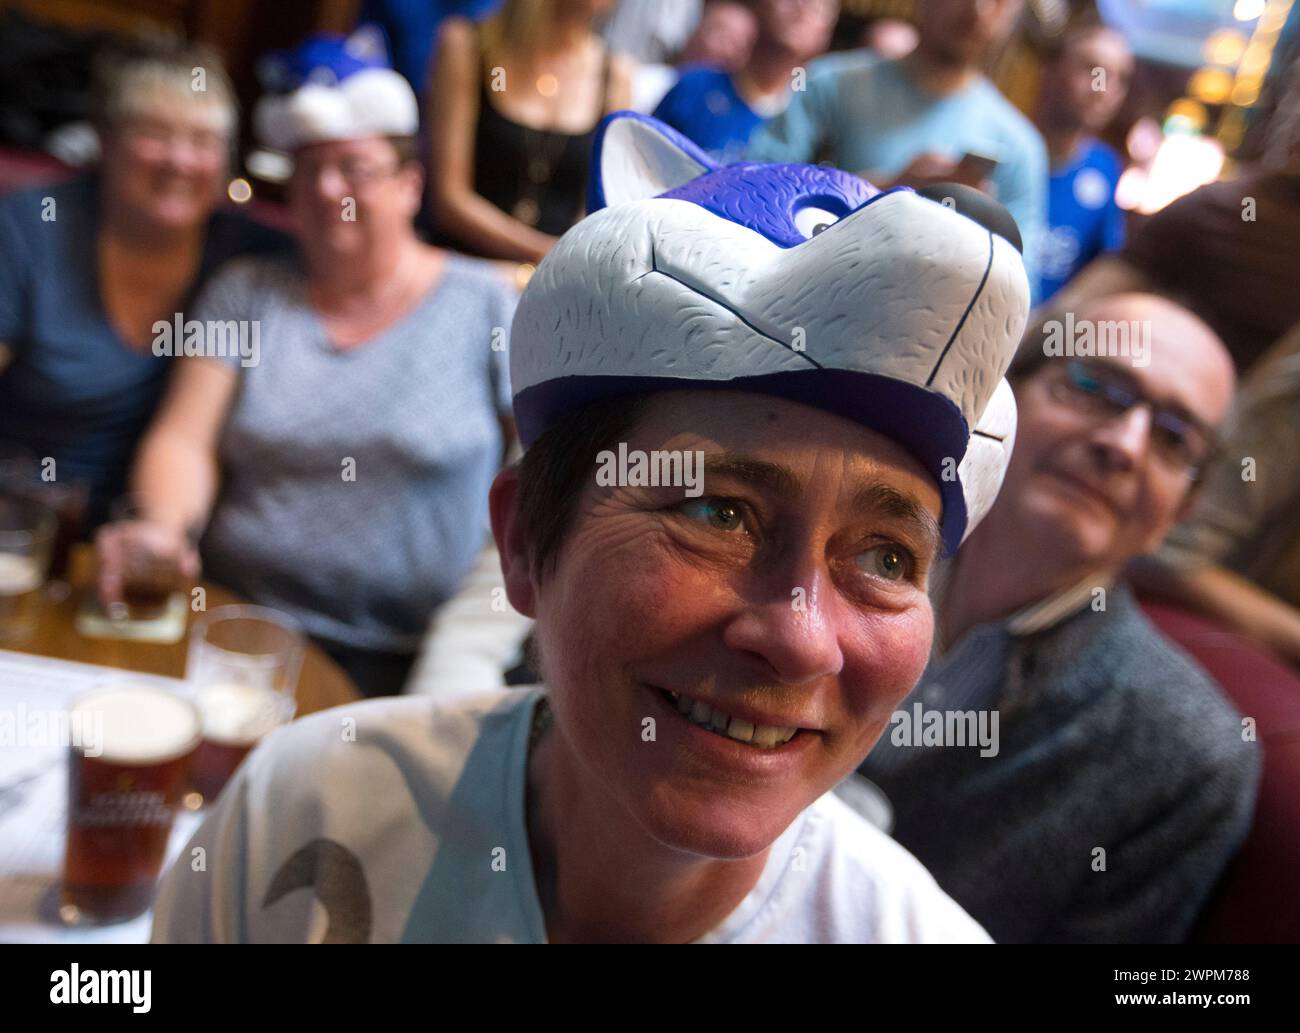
(537, 175)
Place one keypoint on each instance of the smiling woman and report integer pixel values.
(87, 268)
(166, 102)
(776, 609)
(714, 661)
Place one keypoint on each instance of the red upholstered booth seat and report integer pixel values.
(1258, 899)
(22, 168)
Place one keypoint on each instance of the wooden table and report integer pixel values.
(321, 684)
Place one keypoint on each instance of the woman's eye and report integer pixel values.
(885, 561)
(722, 514)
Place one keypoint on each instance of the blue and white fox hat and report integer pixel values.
(332, 87)
(888, 308)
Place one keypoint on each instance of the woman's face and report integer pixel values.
(167, 164)
(349, 197)
(789, 593)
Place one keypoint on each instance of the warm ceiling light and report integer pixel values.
(1224, 47)
(1256, 60)
(1246, 92)
(1274, 17)
(1192, 114)
(1211, 85)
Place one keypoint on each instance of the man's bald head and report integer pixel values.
(1183, 350)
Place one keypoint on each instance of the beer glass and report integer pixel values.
(21, 475)
(243, 663)
(68, 500)
(27, 532)
(150, 576)
(131, 744)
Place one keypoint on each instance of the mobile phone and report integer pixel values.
(976, 167)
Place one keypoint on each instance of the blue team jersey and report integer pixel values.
(1083, 218)
(705, 108)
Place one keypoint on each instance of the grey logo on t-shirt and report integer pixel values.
(338, 878)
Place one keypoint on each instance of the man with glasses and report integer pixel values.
(1117, 782)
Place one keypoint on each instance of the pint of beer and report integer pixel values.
(235, 717)
(243, 663)
(126, 777)
(21, 475)
(21, 578)
(27, 531)
(151, 572)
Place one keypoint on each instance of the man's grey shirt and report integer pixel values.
(1122, 783)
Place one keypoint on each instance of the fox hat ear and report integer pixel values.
(368, 43)
(635, 157)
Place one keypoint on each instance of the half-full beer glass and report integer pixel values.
(27, 533)
(243, 663)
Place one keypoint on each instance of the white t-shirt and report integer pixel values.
(398, 820)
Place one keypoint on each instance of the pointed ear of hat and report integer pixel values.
(368, 43)
(635, 157)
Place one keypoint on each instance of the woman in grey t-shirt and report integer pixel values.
(334, 446)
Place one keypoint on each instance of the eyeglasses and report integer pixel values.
(153, 139)
(355, 173)
(1180, 441)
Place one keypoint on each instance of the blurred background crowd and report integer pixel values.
(1148, 151)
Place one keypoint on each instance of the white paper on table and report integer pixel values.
(34, 690)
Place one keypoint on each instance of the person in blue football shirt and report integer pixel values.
(1083, 88)
(720, 111)
(411, 27)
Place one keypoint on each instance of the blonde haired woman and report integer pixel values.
(88, 267)
(512, 107)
